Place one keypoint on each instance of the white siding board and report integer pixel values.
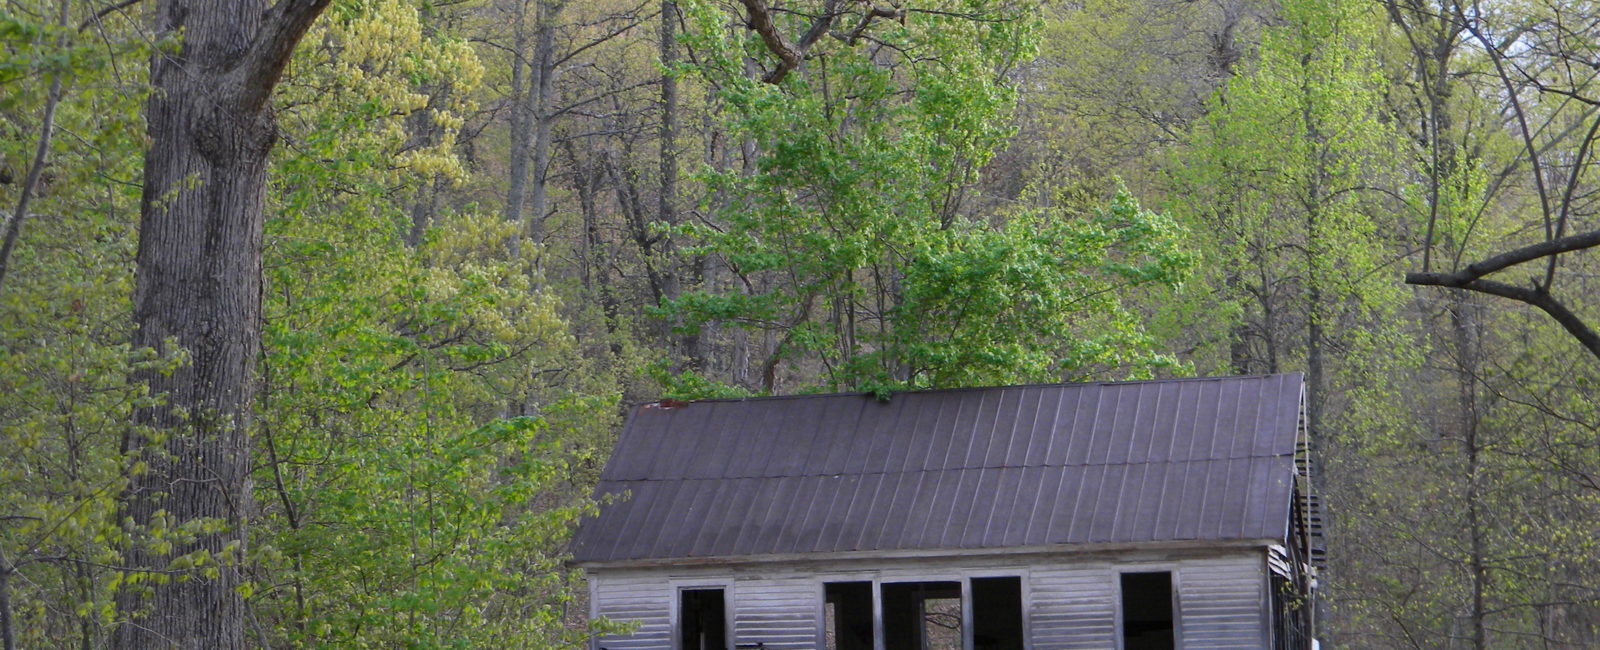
(1072, 606)
(1219, 602)
(643, 601)
(1070, 602)
(778, 612)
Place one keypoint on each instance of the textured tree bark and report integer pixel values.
(544, 69)
(792, 54)
(197, 286)
(521, 135)
(532, 79)
(692, 346)
(8, 638)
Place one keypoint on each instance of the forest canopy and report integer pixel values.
(317, 323)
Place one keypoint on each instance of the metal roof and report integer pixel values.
(1181, 459)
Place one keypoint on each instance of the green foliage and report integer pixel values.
(855, 240)
(1034, 299)
(1118, 82)
(416, 487)
(1283, 177)
(65, 398)
(925, 204)
(419, 468)
(689, 385)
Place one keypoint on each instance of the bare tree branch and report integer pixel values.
(1566, 197)
(1496, 57)
(1471, 279)
(789, 57)
(1482, 268)
(100, 15)
(1533, 296)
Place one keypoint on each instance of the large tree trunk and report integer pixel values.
(198, 287)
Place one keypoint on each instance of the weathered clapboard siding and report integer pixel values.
(1073, 606)
(1221, 602)
(645, 601)
(1072, 602)
(781, 613)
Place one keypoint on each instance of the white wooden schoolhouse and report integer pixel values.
(1127, 515)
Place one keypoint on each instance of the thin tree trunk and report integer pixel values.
(8, 637)
(634, 213)
(1465, 322)
(41, 153)
(197, 286)
(423, 211)
(689, 344)
(1316, 389)
(1316, 374)
(543, 66)
(517, 183)
(423, 131)
(588, 177)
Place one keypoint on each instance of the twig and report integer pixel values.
(98, 15)
(31, 183)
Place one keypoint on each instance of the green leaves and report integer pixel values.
(1038, 297)
(420, 472)
(858, 239)
(65, 398)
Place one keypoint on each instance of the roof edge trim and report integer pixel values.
(961, 389)
(918, 554)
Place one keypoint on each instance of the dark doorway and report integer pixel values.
(847, 615)
(1147, 611)
(921, 615)
(996, 613)
(702, 620)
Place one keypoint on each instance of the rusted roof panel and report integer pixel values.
(1186, 459)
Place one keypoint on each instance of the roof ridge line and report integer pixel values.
(950, 469)
(958, 389)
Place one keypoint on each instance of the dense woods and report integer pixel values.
(316, 323)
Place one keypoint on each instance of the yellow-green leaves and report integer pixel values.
(417, 456)
(863, 242)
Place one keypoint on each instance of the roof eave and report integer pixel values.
(1076, 550)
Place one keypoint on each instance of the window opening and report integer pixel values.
(1147, 611)
(702, 620)
(921, 615)
(847, 615)
(997, 613)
